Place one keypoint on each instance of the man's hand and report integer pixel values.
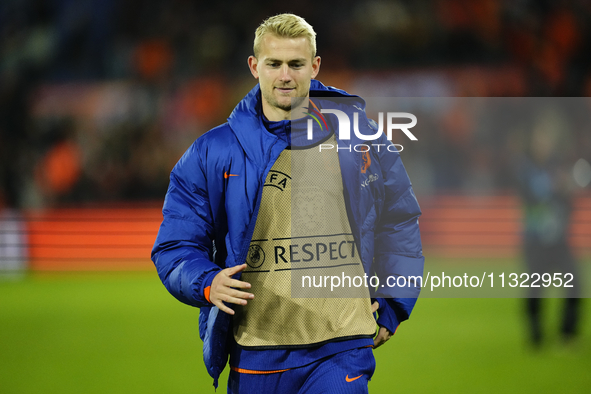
(383, 334)
(223, 289)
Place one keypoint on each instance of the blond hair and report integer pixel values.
(287, 26)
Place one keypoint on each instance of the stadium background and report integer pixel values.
(99, 98)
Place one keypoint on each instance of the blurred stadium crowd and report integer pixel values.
(99, 98)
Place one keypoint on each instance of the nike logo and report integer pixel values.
(348, 379)
(226, 175)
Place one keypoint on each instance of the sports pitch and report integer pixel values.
(123, 333)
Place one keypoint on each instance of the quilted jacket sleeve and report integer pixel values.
(183, 251)
(398, 250)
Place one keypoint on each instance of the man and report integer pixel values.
(222, 225)
(543, 181)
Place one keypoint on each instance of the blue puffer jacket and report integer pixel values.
(209, 218)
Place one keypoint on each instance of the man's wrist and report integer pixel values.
(207, 284)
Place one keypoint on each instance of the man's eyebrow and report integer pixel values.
(271, 60)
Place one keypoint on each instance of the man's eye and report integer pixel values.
(297, 65)
(274, 65)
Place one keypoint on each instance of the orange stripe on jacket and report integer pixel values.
(253, 372)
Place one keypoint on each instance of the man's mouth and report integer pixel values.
(285, 90)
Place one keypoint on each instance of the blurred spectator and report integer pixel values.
(58, 170)
(153, 59)
(546, 187)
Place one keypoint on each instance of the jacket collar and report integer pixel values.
(246, 121)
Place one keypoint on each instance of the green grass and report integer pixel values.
(123, 333)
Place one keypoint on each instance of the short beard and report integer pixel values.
(295, 102)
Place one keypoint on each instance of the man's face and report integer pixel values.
(284, 68)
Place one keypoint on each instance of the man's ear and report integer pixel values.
(315, 66)
(252, 65)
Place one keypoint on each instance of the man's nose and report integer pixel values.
(285, 73)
